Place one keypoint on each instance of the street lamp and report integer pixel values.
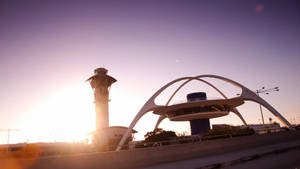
(265, 91)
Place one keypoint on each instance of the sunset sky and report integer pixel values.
(49, 48)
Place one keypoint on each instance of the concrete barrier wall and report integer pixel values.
(150, 156)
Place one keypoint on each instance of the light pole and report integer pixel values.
(265, 91)
(8, 134)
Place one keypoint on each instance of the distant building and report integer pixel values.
(108, 138)
(264, 128)
(220, 126)
(44, 149)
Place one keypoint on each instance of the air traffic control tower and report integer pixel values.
(100, 84)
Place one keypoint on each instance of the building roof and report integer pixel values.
(119, 127)
(199, 109)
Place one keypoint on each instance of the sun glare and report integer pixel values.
(66, 116)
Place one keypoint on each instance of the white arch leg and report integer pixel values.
(251, 96)
(160, 119)
(148, 106)
(128, 132)
(235, 111)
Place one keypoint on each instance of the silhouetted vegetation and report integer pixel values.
(159, 135)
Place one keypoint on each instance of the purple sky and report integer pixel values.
(48, 46)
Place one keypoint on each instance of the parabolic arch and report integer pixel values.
(246, 95)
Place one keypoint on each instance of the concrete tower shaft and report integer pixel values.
(100, 84)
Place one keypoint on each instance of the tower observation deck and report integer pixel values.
(100, 83)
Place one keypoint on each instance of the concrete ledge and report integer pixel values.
(251, 156)
(151, 156)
